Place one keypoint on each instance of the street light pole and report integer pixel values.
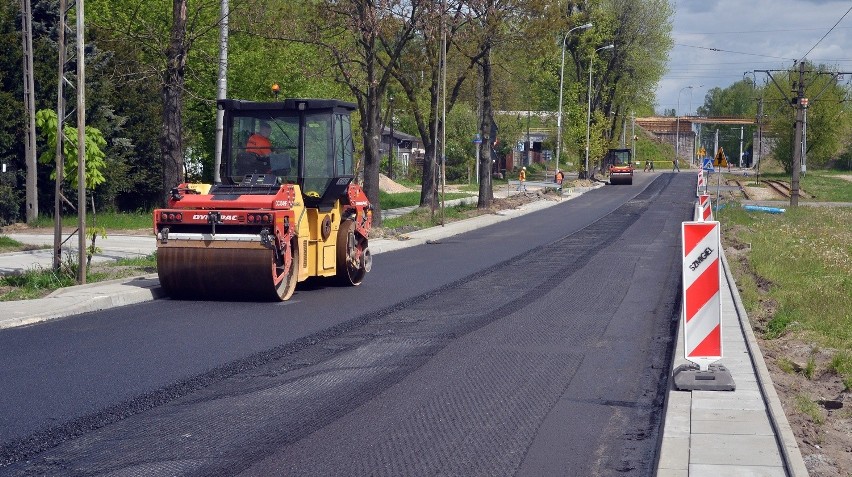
(589, 110)
(561, 80)
(677, 120)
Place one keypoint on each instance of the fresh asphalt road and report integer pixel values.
(535, 346)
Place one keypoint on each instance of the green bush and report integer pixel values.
(10, 200)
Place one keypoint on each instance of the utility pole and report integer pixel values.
(740, 162)
(759, 136)
(800, 105)
(221, 88)
(633, 135)
(60, 138)
(61, 117)
(29, 105)
(81, 145)
(805, 144)
(391, 141)
(529, 144)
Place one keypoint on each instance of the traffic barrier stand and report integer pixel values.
(702, 310)
(706, 207)
(702, 185)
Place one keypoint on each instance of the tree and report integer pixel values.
(162, 44)
(423, 96)
(825, 118)
(363, 40)
(47, 121)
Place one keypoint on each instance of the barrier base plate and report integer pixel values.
(688, 377)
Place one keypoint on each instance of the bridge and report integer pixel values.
(674, 130)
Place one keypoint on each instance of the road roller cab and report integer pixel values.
(619, 164)
(287, 208)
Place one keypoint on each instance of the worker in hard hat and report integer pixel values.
(259, 142)
(522, 179)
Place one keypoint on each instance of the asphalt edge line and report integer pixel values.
(790, 452)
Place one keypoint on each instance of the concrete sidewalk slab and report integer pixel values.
(732, 433)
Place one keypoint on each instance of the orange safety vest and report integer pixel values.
(522, 176)
(559, 177)
(259, 145)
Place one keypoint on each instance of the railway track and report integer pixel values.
(739, 184)
(784, 189)
(781, 188)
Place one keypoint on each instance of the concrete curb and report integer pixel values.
(790, 451)
(82, 299)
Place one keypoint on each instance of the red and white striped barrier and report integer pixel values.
(705, 207)
(702, 186)
(702, 304)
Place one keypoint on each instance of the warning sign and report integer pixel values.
(721, 159)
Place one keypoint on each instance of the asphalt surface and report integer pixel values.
(536, 346)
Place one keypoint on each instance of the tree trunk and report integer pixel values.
(171, 140)
(427, 188)
(371, 124)
(486, 192)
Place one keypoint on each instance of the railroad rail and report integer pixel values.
(739, 184)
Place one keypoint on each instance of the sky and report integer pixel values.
(753, 35)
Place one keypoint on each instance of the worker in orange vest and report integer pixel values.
(522, 179)
(559, 177)
(259, 142)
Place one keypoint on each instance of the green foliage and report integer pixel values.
(841, 364)
(786, 365)
(408, 199)
(806, 256)
(422, 217)
(37, 282)
(148, 262)
(107, 220)
(805, 405)
(10, 199)
(810, 368)
(778, 324)
(292, 43)
(47, 122)
(825, 119)
(737, 100)
(7, 243)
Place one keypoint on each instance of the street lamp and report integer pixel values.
(561, 78)
(589, 111)
(677, 120)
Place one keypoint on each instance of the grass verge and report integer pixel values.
(106, 220)
(408, 199)
(39, 282)
(795, 275)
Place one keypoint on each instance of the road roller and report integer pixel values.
(619, 164)
(286, 209)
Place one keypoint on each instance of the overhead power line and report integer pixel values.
(735, 52)
(826, 34)
(750, 31)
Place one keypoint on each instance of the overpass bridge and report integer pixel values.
(679, 131)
